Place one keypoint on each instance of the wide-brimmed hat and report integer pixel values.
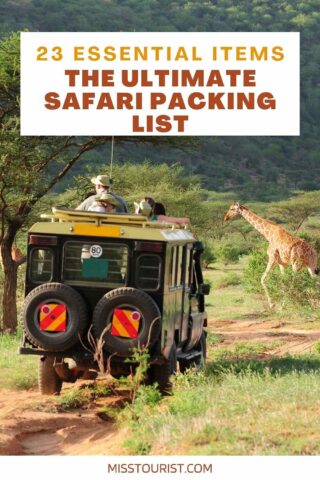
(143, 208)
(108, 198)
(104, 180)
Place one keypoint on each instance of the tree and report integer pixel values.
(29, 168)
(296, 210)
(181, 194)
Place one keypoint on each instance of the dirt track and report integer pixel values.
(255, 329)
(27, 429)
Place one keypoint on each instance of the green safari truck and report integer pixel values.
(120, 278)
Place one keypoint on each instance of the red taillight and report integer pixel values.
(155, 247)
(42, 240)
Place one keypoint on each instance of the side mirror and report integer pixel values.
(204, 289)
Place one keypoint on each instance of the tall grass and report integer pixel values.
(260, 409)
(16, 371)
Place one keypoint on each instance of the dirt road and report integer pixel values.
(28, 428)
(254, 328)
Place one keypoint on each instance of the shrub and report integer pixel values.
(208, 255)
(295, 289)
(73, 399)
(230, 252)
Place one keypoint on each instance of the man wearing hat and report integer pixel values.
(105, 203)
(103, 184)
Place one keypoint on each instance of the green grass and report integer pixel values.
(242, 350)
(16, 371)
(229, 280)
(231, 302)
(74, 399)
(228, 300)
(257, 408)
(242, 404)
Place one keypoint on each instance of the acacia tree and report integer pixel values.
(296, 210)
(29, 168)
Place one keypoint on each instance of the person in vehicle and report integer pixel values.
(150, 200)
(157, 208)
(144, 208)
(103, 184)
(105, 203)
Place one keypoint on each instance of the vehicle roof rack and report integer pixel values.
(62, 214)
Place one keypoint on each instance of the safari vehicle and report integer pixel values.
(117, 277)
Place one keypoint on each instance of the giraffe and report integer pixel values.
(284, 249)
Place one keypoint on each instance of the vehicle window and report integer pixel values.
(190, 268)
(41, 265)
(179, 266)
(187, 267)
(176, 266)
(173, 267)
(148, 272)
(95, 264)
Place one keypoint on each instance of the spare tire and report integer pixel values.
(54, 298)
(122, 302)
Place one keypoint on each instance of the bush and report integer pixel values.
(230, 251)
(228, 254)
(208, 255)
(293, 289)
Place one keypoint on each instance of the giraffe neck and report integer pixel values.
(263, 226)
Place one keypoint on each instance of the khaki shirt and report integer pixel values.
(88, 202)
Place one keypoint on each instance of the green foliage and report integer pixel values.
(256, 266)
(208, 257)
(213, 339)
(297, 209)
(263, 168)
(147, 397)
(228, 253)
(291, 289)
(142, 397)
(74, 398)
(16, 371)
(179, 192)
(140, 364)
(245, 407)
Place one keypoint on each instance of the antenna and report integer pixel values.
(111, 160)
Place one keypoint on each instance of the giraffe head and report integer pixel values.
(234, 211)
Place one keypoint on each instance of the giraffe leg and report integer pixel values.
(281, 269)
(311, 271)
(270, 266)
(313, 263)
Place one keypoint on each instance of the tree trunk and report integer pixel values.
(9, 300)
